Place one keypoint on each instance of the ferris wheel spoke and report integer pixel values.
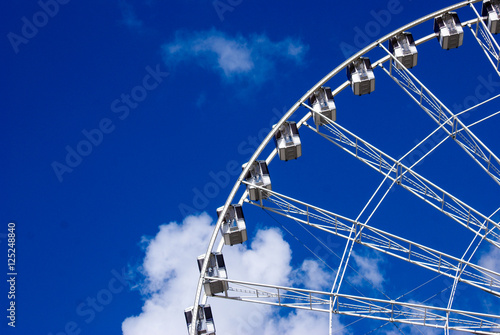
(356, 233)
(357, 230)
(483, 119)
(472, 251)
(361, 307)
(379, 240)
(411, 181)
(486, 41)
(443, 116)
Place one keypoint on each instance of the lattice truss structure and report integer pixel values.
(320, 118)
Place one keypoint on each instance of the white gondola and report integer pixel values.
(233, 228)
(360, 74)
(491, 9)
(216, 268)
(322, 103)
(287, 141)
(449, 30)
(403, 47)
(258, 175)
(205, 323)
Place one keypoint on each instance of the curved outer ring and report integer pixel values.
(285, 117)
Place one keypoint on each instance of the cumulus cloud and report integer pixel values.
(368, 268)
(171, 273)
(252, 58)
(169, 268)
(267, 260)
(300, 324)
(491, 259)
(413, 330)
(313, 275)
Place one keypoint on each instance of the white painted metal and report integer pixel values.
(442, 115)
(322, 103)
(287, 140)
(486, 41)
(403, 47)
(258, 175)
(363, 307)
(404, 176)
(491, 9)
(204, 320)
(200, 298)
(360, 74)
(216, 269)
(449, 30)
(377, 239)
(233, 228)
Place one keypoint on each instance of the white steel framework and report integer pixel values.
(363, 307)
(461, 269)
(377, 239)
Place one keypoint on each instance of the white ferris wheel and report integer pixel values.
(392, 62)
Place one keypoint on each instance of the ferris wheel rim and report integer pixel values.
(291, 112)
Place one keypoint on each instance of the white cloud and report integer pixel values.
(267, 261)
(253, 58)
(129, 18)
(165, 254)
(368, 269)
(413, 330)
(491, 259)
(301, 323)
(171, 274)
(170, 270)
(313, 275)
(200, 101)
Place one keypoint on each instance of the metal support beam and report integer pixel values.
(362, 307)
(382, 241)
(445, 118)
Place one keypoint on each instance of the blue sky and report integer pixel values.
(121, 118)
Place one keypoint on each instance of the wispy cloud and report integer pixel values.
(129, 17)
(412, 330)
(491, 259)
(171, 274)
(254, 58)
(368, 269)
(313, 275)
(200, 101)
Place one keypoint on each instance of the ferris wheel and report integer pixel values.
(394, 59)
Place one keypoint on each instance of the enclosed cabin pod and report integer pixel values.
(360, 74)
(449, 30)
(258, 175)
(403, 47)
(216, 268)
(205, 321)
(491, 9)
(323, 104)
(287, 140)
(233, 228)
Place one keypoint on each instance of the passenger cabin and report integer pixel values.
(323, 104)
(233, 228)
(258, 175)
(360, 74)
(205, 323)
(449, 30)
(491, 9)
(216, 268)
(403, 47)
(287, 140)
